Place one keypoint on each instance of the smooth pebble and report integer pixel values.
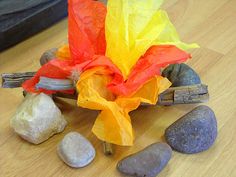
(75, 150)
(181, 75)
(47, 56)
(194, 132)
(146, 163)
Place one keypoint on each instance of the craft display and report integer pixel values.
(114, 55)
(113, 63)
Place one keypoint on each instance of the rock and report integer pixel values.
(75, 150)
(146, 163)
(194, 132)
(38, 118)
(104, 1)
(47, 56)
(181, 75)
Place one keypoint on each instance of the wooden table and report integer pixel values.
(210, 23)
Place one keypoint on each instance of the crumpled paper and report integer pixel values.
(113, 123)
(118, 52)
(132, 26)
(86, 29)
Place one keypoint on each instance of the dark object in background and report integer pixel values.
(181, 75)
(23, 18)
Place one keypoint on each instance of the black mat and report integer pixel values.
(20, 19)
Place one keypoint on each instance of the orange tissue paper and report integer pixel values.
(118, 51)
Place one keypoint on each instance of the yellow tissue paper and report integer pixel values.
(133, 26)
(169, 35)
(113, 124)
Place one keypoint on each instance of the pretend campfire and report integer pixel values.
(113, 63)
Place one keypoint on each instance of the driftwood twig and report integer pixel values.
(174, 95)
(184, 95)
(107, 148)
(14, 80)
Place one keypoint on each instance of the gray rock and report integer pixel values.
(47, 56)
(75, 150)
(194, 132)
(181, 75)
(146, 163)
(38, 118)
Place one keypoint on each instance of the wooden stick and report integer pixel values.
(173, 95)
(107, 148)
(54, 84)
(184, 95)
(14, 80)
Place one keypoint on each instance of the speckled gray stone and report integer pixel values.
(146, 163)
(47, 56)
(181, 75)
(75, 150)
(194, 132)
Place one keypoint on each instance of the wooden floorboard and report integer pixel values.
(210, 23)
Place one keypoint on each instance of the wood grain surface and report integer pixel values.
(212, 24)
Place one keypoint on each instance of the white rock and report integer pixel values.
(38, 118)
(75, 150)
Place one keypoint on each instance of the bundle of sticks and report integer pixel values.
(174, 95)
